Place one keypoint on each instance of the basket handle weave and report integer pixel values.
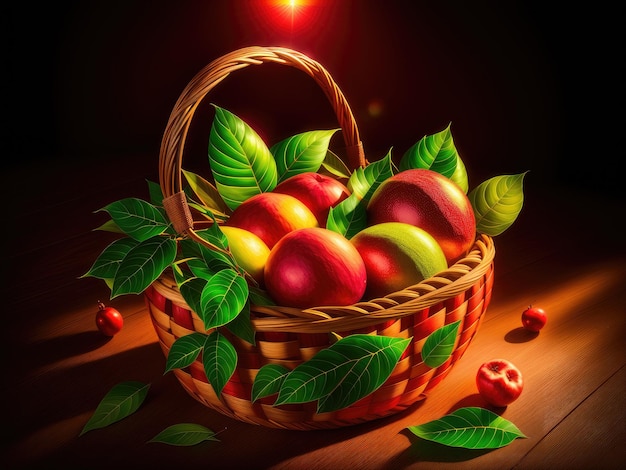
(172, 145)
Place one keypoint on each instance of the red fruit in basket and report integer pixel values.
(428, 200)
(271, 216)
(499, 382)
(534, 319)
(318, 192)
(108, 320)
(314, 267)
(397, 255)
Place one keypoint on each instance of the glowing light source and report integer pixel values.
(290, 13)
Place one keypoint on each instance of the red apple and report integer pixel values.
(534, 318)
(499, 382)
(428, 200)
(318, 192)
(397, 255)
(270, 216)
(314, 267)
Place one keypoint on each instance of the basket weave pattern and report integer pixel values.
(289, 336)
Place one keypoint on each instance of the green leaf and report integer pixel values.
(470, 428)
(219, 360)
(460, 175)
(440, 344)
(205, 261)
(222, 298)
(106, 265)
(206, 193)
(184, 434)
(121, 401)
(364, 181)
(184, 351)
(142, 265)
(301, 153)
(137, 218)
(241, 163)
(343, 373)
(437, 152)
(268, 380)
(191, 290)
(497, 202)
(110, 226)
(260, 297)
(335, 165)
(348, 217)
(155, 193)
(241, 326)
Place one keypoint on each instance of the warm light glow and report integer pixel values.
(375, 108)
(290, 13)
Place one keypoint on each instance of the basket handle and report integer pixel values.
(172, 144)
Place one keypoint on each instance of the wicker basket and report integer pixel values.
(290, 336)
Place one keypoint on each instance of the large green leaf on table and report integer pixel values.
(184, 434)
(137, 218)
(142, 265)
(343, 373)
(348, 217)
(439, 345)
(241, 164)
(437, 152)
(222, 298)
(219, 359)
(207, 194)
(241, 326)
(121, 401)
(470, 428)
(301, 153)
(497, 202)
(268, 380)
(106, 265)
(335, 165)
(364, 181)
(184, 351)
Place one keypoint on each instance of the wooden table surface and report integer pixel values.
(564, 253)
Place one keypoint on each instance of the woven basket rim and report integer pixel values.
(325, 319)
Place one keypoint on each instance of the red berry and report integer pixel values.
(534, 319)
(108, 320)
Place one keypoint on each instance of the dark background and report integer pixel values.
(525, 87)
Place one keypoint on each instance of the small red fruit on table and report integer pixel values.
(499, 382)
(108, 320)
(534, 319)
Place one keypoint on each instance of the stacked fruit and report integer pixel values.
(295, 222)
(418, 223)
